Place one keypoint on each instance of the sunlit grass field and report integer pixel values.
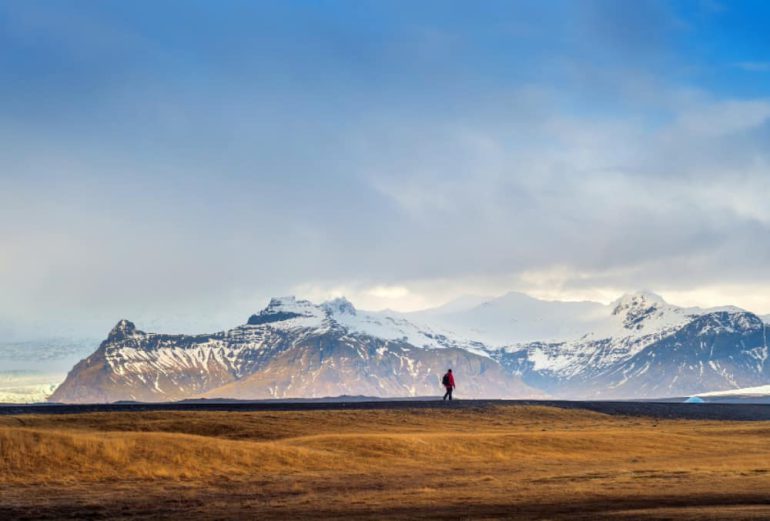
(493, 462)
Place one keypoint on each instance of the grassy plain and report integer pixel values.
(495, 462)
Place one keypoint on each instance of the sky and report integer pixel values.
(183, 161)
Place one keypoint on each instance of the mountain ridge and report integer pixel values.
(294, 348)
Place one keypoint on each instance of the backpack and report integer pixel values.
(445, 380)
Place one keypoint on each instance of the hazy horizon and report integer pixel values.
(173, 322)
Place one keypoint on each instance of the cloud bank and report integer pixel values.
(192, 163)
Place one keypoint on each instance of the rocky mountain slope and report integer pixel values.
(291, 349)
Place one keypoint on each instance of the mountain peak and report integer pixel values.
(282, 302)
(638, 298)
(641, 309)
(283, 308)
(339, 306)
(511, 297)
(122, 329)
(290, 304)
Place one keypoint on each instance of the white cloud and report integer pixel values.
(406, 174)
(724, 117)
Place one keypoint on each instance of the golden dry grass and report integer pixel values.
(513, 461)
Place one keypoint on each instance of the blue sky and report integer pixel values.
(191, 159)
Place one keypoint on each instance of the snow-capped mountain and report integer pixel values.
(639, 346)
(628, 325)
(292, 348)
(648, 348)
(717, 350)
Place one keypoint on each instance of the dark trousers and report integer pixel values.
(448, 393)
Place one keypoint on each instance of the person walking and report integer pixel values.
(448, 382)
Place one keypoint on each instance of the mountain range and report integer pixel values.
(292, 348)
(514, 346)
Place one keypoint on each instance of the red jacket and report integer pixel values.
(451, 380)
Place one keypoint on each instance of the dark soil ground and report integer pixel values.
(652, 409)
